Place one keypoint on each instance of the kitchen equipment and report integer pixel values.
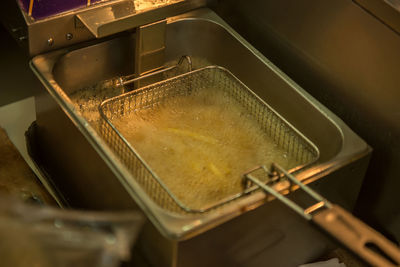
(364, 241)
(40, 26)
(300, 151)
(65, 142)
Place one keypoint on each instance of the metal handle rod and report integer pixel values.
(279, 196)
(307, 189)
(340, 224)
(364, 241)
(128, 79)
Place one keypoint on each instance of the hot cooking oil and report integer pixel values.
(200, 145)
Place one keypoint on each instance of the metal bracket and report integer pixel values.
(122, 16)
(150, 47)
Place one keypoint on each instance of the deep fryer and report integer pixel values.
(66, 140)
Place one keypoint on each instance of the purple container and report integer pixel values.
(41, 9)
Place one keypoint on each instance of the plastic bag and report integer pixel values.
(48, 237)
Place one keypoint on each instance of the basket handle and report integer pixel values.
(364, 241)
(122, 81)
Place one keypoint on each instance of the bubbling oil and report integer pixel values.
(200, 145)
(88, 99)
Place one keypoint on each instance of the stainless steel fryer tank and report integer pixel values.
(85, 171)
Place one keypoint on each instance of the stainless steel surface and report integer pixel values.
(348, 60)
(337, 174)
(85, 24)
(124, 81)
(367, 243)
(387, 11)
(298, 148)
(123, 16)
(150, 47)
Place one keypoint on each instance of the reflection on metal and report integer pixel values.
(141, 5)
(50, 41)
(69, 36)
(387, 11)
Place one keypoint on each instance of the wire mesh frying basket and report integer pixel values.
(285, 136)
